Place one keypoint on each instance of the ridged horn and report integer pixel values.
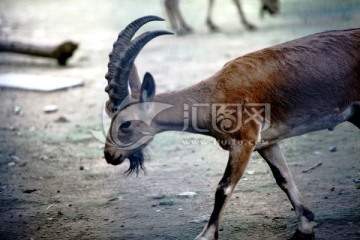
(118, 86)
(123, 40)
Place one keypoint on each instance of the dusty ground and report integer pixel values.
(55, 184)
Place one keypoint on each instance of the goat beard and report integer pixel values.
(137, 160)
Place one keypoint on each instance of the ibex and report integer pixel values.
(179, 25)
(311, 83)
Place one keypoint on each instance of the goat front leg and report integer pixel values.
(238, 159)
(276, 160)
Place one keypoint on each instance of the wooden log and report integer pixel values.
(61, 52)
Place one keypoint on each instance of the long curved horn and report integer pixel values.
(123, 40)
(118, 86)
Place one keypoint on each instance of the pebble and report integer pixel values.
(17, 110)
(166, 203)
(62, 120)
(250, 172)
(333, 149)
(160, 196)
(15, 158)
(186, 194)
(50, 108)
(11, 164)
(29, 191)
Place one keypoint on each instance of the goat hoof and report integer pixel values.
(303, 236)
(250, 27)
(214, 29)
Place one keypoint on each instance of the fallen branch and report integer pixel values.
(61, 52)
(312, 167)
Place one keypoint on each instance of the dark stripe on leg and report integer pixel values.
(307, 213)
(280, 179)
(355, 118)
(220, 198)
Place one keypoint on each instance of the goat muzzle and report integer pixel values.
(112, 158)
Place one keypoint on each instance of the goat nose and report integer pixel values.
(108, 156)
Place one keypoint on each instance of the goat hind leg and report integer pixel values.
(212, 27)
(248, 25)
(276, 160)
(170, 8)
(184, 28)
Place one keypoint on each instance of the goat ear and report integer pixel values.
(147, 92)
(108, 109)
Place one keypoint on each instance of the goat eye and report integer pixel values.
(125, 125)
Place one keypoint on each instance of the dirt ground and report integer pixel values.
(55, 183)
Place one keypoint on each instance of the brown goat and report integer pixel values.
(179, 25)
(310, 84)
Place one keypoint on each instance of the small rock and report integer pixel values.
(15, 158)
(44, 158)
(50, 108)
(201, 219)
(11, 164)
(81, 168)
(17, 110)
(29, 191)
(186, 194)
(22, 164)
(250, 172)
(160, 196)
(115, 199)
(62, 120)
(166, 203)
(333, 149)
